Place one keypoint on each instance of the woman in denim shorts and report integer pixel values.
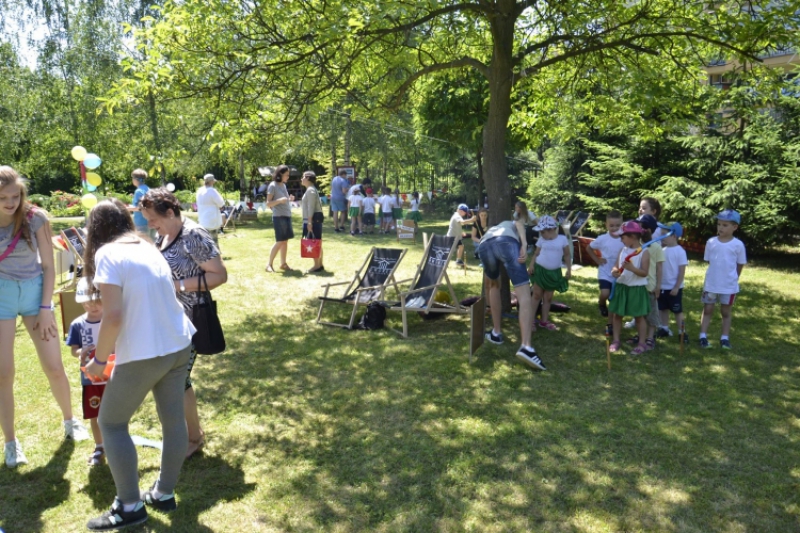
(26, 290)
(280, 201)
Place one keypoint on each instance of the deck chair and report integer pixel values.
(232, 216)
(563, 216)
(430, 276)
(370, 283)
(576, 229)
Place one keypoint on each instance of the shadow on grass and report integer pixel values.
(205, 481)
(38, 490)
(364, 431)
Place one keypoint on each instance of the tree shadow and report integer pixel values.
(205, 481)
(366, 431)
(45, 485)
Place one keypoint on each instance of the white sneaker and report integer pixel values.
(631, 324)
(14, 455)
(73, 429)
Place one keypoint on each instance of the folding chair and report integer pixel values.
(563, 216)
(430, 276)
(370, 282)
(73, 238)
(576, 228)
(231, 216)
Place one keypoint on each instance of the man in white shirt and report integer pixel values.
(209, 203)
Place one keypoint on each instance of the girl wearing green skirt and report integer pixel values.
(630, 292)
(415, 215)
(545, 267)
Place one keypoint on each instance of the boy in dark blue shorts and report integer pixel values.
(670, 298)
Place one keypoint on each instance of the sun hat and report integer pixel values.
(676, 229)
(208, 178)
(463, 207)
(648, 222)
(631, 226)
(730, 215)
(546, 222)
(83, 294)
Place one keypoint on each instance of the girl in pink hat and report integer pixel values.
(630, 293)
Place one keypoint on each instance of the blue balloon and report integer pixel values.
(92, 161)
(90, 187)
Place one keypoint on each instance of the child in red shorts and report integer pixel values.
(81, 339)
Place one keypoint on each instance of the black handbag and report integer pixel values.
(209, 339)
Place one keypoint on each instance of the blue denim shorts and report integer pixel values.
(503, 250)
(283, 228)
(20, 298)
(339, 205)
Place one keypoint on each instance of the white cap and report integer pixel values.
(82, 293)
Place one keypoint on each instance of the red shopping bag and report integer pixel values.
(310, 247)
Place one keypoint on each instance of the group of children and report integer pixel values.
(361, 210)
(641, 275)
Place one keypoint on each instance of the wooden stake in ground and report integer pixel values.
(682, 336)
(608, 346)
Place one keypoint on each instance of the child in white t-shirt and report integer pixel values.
(368, 216)
(726, 258)
(603, 251)
(545, 267)
(354, 203)
(673, 272)
(387, 203)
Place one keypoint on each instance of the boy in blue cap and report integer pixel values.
(726, 258)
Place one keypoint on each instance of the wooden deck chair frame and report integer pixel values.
(457, 308)
(352, 286)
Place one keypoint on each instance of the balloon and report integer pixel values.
(171, 187)
(90, 187)
(78, 153)
(93, 179)
(92, 161)
(88, 201)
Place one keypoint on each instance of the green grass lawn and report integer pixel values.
(313, 428)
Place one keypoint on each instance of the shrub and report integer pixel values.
(40, 200)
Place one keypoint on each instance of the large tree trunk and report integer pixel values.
(495, 171)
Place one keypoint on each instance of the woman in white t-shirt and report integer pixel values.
(144, 324)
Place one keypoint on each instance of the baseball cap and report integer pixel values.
(463, 207)
(82, 292)
(730, 215)
(369, 190)
(546, 222)
(631, 226)
(648, 222)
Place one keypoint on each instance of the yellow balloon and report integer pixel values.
(94, 179)
(88, 201)
(78, 153)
